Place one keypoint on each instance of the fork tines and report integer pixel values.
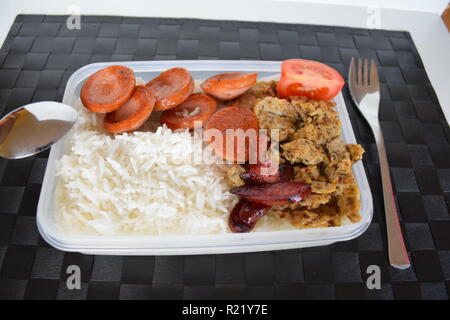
(360, 75)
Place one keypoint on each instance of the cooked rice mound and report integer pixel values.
(140, 183)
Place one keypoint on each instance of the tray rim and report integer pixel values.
(239, 242)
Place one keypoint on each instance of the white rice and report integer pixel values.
(140, 183)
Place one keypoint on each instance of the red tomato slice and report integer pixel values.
(233, 118)
(171, 88)
(108, 89)
(132, 114)
(227, 86)
(197, 107)
(308, 78)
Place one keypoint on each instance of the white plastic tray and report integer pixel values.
(193, 244)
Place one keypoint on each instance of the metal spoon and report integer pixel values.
(33, 128)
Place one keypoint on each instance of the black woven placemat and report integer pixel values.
(40, 53)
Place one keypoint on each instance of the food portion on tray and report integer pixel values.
(179, 155)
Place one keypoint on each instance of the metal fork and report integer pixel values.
(365, 91)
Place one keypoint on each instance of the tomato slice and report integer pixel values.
(197, 107)
(108, 89)
(171, 88)
(242, 137)
(132, 114)
(308, 78)
(227, 86)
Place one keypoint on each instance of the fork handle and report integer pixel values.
(398, 256)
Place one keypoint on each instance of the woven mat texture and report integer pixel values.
(39, 55)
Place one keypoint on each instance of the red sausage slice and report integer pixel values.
(245, 215)
(108, 89)
(171, 88)
(198, 107)
(227, 86)
(261, 173)
(132, 114)
(274, 194)
(238, 126)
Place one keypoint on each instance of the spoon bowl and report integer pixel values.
(34, 128)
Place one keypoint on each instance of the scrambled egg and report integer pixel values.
(308, 137)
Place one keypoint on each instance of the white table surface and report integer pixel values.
(421, 18)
